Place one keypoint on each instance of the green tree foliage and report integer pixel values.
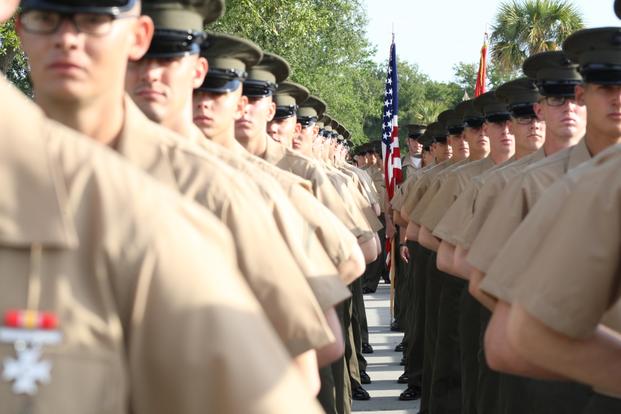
(325, 43)
(465, 75)
(12, 60)
(525, 27)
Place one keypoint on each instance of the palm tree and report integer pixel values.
(427, 112)
(525, 27)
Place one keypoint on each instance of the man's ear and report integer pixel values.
(485, 127)
(241, 106)
(538, 108)
(580, 91)
(512, 127)
(298, 128)
(271, 112)
(200, 71)
(141, 37)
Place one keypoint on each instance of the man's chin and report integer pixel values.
(153, 113)
(62, 91)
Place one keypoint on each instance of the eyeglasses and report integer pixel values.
(47, 22)
(525, 119)
(558, 100)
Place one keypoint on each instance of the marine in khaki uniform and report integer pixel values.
(168, 159)
(572, 326)
(410, 165)
(591, 49)
(142, 327)
(413, 160)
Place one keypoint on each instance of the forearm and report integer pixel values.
(306, 364)
(594, 360)
(334, 351)
(476, 277)
(427, 239)
(461, 266)
(502, 356)
(353, 267)
(445, 257)
(398, 219)
(412, 231)
(369, 249)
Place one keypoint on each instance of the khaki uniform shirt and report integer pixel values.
(409, 166)
(573, 279)
(323, 189)
(450, 190)
(300, 237)
(361, 179)
(403, 189)
(427, 187)
(512, 205)
(338, 242)
(377, 175)
(263, 256)
(417, 188)
(487, 194)
(353, 198)
(144, 328)
(460, 213)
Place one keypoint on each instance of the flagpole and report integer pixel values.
(393, 265)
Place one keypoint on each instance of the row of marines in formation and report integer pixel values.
(180, 231)
(509, 276)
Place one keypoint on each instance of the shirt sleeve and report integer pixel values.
(575, 276)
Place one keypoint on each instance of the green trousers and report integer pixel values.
(602, 404)
(469, 330)
(433, 290)
(359, 325)
(445, 391)
(416, 340)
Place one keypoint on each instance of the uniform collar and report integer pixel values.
(135, 141)
(579, 154)
(145, 144)
(274, 152)
(33, 201)
(539, 154)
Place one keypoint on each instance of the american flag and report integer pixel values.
(390, 136)
(390, 127)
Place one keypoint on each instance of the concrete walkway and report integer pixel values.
(383, 364)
